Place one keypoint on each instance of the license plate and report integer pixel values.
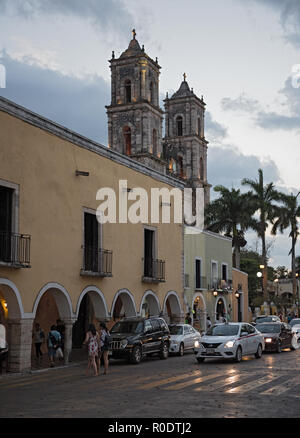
(210, 350)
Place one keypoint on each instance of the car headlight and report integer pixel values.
(268, 340)
(196, 344)
(124, 343)
(229, 344)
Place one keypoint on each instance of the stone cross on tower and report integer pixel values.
(133, 33)
(184, 77)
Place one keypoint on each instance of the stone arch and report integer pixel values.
(220, 307)
(179, 125)
(172, 307)
(123, 304)
(200, 312)
(11, 298)
(151, 299)
(98, 302)
(61, 297)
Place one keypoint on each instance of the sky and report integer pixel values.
(243, 56)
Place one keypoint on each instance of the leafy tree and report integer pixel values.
(230, 213)
(263, 197)
(287, 217)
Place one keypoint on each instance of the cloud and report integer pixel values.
(270, 120)
(228, 166)
(242, 103)
(74, 103)
(289, 17)
(106, 15)
(215, 131)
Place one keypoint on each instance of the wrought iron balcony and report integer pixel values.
(154, 271)
(220, 285)
(15, 249)
(96, 262)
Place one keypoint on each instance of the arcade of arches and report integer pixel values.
(53, 307)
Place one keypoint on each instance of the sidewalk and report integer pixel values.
(77, 356)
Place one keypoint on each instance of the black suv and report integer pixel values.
(135, 337)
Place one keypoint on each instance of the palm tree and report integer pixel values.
(263, 197)
(287, 217)
(230, 213)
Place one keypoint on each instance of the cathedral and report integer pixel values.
(170, 141)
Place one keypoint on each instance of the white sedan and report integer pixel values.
(296, 331)
(230, 341)
(182, 338)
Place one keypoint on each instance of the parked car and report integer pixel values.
(296, 331)
(267, 318)
(295, 321)
(135, 337)
(277, 335)
(182, 338)
(230, 341)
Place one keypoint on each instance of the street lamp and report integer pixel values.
(215, 292)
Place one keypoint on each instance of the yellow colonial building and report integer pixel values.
(57, 261)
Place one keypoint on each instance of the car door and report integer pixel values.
(148, 337)
(244, 339)
(285, 336)
(156, 335)
(186, 337)
(253, 339)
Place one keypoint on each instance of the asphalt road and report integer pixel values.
(178, 387)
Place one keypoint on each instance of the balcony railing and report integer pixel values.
(154, 270)
(15, 249)
(219, 284)
(97, 262)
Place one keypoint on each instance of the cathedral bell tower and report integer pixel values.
(185, 146)
(134, 116)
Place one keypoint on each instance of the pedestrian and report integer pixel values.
(38, 339)
(289, 318)
(92, 341)
(53, 342)
(103, 347)
(208, 323)
(188, 319)
(60, 327)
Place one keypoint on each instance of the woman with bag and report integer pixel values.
(103, 347)
(91, 340)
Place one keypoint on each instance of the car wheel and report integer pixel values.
(181, 350)
(164, 351)
(200, 359)
(238, 355)
(258, 354)
(279, 347)
(136, 355)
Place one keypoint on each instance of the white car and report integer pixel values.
(230, 341)
(182, 338)
(296, 331)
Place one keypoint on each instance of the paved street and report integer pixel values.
(173, 388)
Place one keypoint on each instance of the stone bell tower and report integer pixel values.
(185, 146)
(134, 116)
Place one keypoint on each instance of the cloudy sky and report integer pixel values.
(243, 56)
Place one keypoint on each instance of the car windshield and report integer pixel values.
(295, 322)
(133, 327)
(176, 329)
(266, 319)
(268, 328)
(223, 330)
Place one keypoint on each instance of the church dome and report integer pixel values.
(184, 90)
(134, 49)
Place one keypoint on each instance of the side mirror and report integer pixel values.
(244, 333)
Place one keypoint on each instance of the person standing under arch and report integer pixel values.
(92, 341)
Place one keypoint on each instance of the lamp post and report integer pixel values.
(237, 295)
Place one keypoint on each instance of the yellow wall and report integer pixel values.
(240, 277)
(51, 211)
